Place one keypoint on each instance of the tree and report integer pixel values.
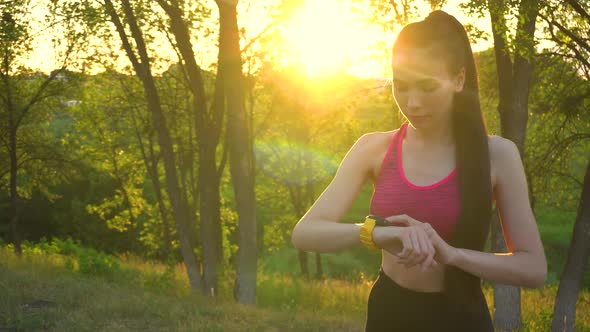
(208, 124)
(567, 26)
(240, 150)
(114, 137)
(140, 61)
(29, 99)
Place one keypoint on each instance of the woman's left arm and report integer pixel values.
(525, 263)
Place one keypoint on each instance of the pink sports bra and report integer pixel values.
(438, 204)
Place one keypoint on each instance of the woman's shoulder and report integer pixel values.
(375, 141)
(501, 148)
(503, 154)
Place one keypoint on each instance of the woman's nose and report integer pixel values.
(414, 100)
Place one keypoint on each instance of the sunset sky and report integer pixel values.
(321, 37)
(327, 36)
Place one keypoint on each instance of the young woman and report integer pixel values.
(435, 179)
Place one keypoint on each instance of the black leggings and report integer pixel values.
(395, 308)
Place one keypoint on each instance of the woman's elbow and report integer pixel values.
(538, 276)
(297, 237)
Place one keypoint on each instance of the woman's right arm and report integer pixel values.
(320, 229)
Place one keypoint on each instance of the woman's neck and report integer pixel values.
(440, 134)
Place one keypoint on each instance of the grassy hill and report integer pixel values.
(63, 287)
(39, 293)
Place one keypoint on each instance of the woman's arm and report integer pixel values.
(525, 263)
(319, 229)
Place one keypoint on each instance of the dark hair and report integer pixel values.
(443, 34)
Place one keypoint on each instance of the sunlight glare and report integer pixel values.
(326, 36)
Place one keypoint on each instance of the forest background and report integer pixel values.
(157, 154)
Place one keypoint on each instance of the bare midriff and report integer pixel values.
(431, 280)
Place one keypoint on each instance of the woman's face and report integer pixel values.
(423, 87)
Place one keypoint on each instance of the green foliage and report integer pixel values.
(558, 134)
(89, 262)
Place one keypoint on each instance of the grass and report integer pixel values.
(82, 302)
(87, 290)
(142, 295)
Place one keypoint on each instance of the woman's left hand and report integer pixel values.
(445, 253)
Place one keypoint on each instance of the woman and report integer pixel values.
(435, 179)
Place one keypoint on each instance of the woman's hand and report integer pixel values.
(445, 253)
(410, 242)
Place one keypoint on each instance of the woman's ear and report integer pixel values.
(460, 80)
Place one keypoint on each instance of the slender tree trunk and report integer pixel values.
(141, 66)
(564, 314)
(208, 129)
(210, 215)
(14, 210)
(153, 163)
(241, 156)
(310, 193)
(303, 263)
(179, 207)
(296, 202)
(319, 271)
(507, 299)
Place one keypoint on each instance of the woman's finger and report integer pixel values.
(415, 258)
(421, 239)
(427, 262)
(400, 221)
(429, 230)
(407, 246)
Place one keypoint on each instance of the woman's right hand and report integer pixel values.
(410, 242)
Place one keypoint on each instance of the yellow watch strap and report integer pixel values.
(366, 234)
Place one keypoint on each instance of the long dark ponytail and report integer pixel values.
(446, 37)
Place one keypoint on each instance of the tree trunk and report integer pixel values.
(303, 263)
(514, 85)
(564, 314)
(14, 210)
(319, 272)
(143, 70)
(310, 193)
(208, 129)
(295, 193)
(151, 165)
(161, 207)
(507, 307)
(240, 151)
(210, 215)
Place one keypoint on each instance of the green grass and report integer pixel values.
(121, 302)
(92, 291)
(556, 229)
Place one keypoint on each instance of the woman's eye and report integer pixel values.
(400, 86)
(428, 87)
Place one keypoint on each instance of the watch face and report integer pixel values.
(379, 221)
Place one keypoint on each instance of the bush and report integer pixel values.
(92, 262)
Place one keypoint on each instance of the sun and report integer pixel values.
(327, 36)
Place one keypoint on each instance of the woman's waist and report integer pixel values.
(431, 280)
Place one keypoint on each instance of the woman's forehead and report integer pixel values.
(419, 64)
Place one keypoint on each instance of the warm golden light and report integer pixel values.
(327, 36)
